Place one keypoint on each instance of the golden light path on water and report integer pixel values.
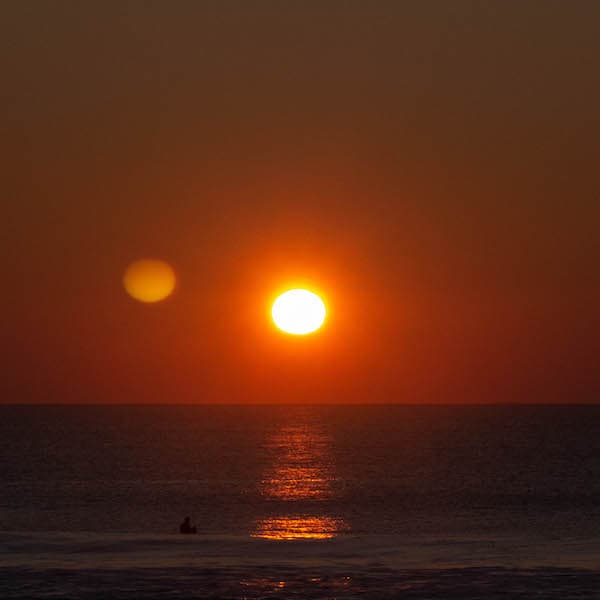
(297, 528)
(301, 473)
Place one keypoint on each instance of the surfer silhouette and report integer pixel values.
(187, 527)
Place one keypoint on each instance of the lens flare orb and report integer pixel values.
(298, 312)
(149, 280)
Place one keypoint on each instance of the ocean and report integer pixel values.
(382, 501)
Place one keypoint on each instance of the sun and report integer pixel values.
(298, 312)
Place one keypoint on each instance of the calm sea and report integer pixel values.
(300, 501)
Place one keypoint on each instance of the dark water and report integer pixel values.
(307, 502)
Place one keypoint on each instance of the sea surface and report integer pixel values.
(383, 501)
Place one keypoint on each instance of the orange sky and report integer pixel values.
(431, 167)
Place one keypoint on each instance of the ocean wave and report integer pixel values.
(92, 550)
(310, 584)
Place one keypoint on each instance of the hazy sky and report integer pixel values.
(431, 166)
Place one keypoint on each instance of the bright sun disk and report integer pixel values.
(298, 312)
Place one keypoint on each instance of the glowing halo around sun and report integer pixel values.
(298, 312)
(149, 280)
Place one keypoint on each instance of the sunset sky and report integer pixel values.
(430, 167)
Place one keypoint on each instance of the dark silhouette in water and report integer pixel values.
(186, 527)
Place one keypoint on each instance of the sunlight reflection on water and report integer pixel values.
(302, 470)
(297, 528)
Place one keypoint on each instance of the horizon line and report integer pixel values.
(303, 404)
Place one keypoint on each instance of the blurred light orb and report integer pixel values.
(149, 280)
(298, 312)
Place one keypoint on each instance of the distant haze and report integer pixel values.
(431, 167)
